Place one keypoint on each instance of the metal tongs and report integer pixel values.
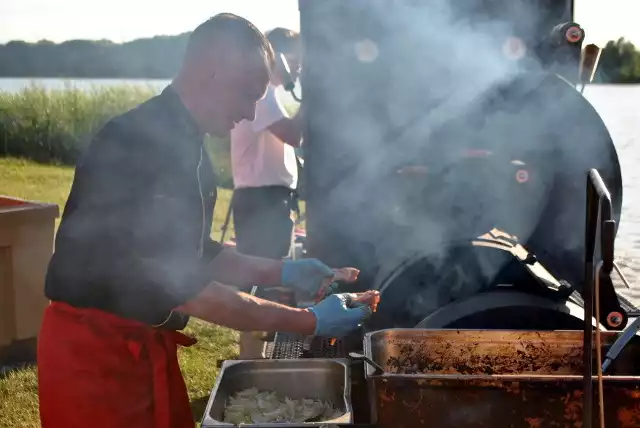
(625, 337)
(501, 240)
(623, 340)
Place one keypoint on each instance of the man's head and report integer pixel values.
(287, 42)
(225, 72)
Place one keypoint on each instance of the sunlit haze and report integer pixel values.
(124, 20)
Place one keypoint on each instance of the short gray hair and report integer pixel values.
(232, 29)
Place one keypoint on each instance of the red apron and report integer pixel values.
(97, 369)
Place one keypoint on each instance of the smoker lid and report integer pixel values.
(570, 139)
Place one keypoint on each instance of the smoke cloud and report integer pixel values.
(430, 122)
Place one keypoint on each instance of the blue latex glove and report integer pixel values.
(336, 318)
(306, 275)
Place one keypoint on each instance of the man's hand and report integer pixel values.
(335, 318)
(306, 275)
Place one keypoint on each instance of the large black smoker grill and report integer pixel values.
(429, 126)
(446, 154)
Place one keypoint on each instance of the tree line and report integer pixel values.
(619, 62)
(159, 58)
(152, 58)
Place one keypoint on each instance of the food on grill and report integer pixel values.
(342, 274)
(252, 406)
(371, 298)
(345, 274)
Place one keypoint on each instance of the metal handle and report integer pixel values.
(354, 356)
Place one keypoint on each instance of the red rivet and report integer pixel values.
(522, 176)
(573, 34)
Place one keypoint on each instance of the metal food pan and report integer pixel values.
(325, 379)
(488, 352)
(493, 378)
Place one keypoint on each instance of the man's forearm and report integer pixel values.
(222, 305)
(289, 130)
(296, 132)
(296, 125)
(231, 267)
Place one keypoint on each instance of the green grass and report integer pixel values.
(18, 390)
(55, 125)
(51, 183)
(19, 399)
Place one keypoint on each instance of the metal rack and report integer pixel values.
(291, 346)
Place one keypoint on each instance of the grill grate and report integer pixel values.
(322, 348)
(285, 346)
(291, 347)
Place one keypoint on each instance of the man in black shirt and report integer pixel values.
(134, 258)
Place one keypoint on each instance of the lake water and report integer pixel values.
(618, 105)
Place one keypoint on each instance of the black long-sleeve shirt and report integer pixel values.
(134, 239)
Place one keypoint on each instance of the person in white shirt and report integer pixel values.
(265, 174)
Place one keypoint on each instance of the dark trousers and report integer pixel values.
(263, 221)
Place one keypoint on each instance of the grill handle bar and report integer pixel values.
(599, 245)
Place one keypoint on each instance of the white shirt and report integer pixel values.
(258, 157)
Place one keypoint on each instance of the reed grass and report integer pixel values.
(54, 125)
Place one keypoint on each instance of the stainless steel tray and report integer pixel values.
(326, 379)
(493, 378)
(424, 352)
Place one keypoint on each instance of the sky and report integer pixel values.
(124, 20)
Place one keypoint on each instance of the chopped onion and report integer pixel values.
(258, 407)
